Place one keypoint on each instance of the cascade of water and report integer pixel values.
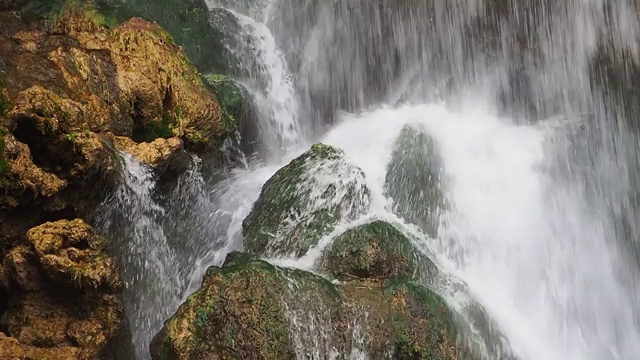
(132, 218)
(542, 215)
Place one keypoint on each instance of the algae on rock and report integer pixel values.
(374, 250)
(304, 201)
(413, 179)
(251, 309)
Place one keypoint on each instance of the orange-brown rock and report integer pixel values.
(154, 154)
(63, 294)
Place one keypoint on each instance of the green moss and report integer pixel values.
(162, 129)
(53, 10)
(295, 208)
(413, 179)
(433, 335)
(237, 312)
(374, 250)
(185, 20)
(234, 99)
(241, 311)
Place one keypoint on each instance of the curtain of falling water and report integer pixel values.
(526, 60)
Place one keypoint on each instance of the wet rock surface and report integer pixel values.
(288, 217)
(251, 309)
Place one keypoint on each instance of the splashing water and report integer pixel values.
(132, 218)
(541, 232)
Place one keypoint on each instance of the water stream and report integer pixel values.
(539, 164)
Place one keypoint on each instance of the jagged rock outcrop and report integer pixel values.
(75, 89)
(304, 201)
(69, 87)
(63, 296)
(251, 309)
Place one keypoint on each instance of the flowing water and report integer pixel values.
(540, 164)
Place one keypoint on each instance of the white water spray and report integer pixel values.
(133, 219)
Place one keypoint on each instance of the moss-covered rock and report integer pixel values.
(304, 201)
(374, 250)
(63, 294)
(236, 103)
(188, 23)
(413, 179)
(22, 180)
(251, 309)
(72, 254)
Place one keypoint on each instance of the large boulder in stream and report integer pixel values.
(304, 201)
(250, 309)
(63, 296)
(413, 179)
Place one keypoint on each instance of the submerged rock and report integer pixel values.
(63, 295)
(304, 201)
(413, 179)
(251, 309)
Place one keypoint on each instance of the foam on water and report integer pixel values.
(526, 246)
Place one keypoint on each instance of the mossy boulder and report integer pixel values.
(374, 250)
(251, 309)
(304, 201)
(413, 179)
(238, 109)
(64, 294)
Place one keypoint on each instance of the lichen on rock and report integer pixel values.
(304, 201)
(72, 253)
(63, 294)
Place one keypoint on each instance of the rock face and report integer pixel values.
(202, 43)
(413, 179)
(304, 201)
(251, 309)
(76, 88)
(63, 296)
(68, 86)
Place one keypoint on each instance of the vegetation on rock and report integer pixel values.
(187, 22)
(304, 201)
(375, 250)
(413, 179)
(234, 99)
(63, 295)
(251, 309)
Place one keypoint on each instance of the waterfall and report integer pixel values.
(539, 157)
(132, 219)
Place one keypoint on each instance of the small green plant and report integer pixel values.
(72, 136)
